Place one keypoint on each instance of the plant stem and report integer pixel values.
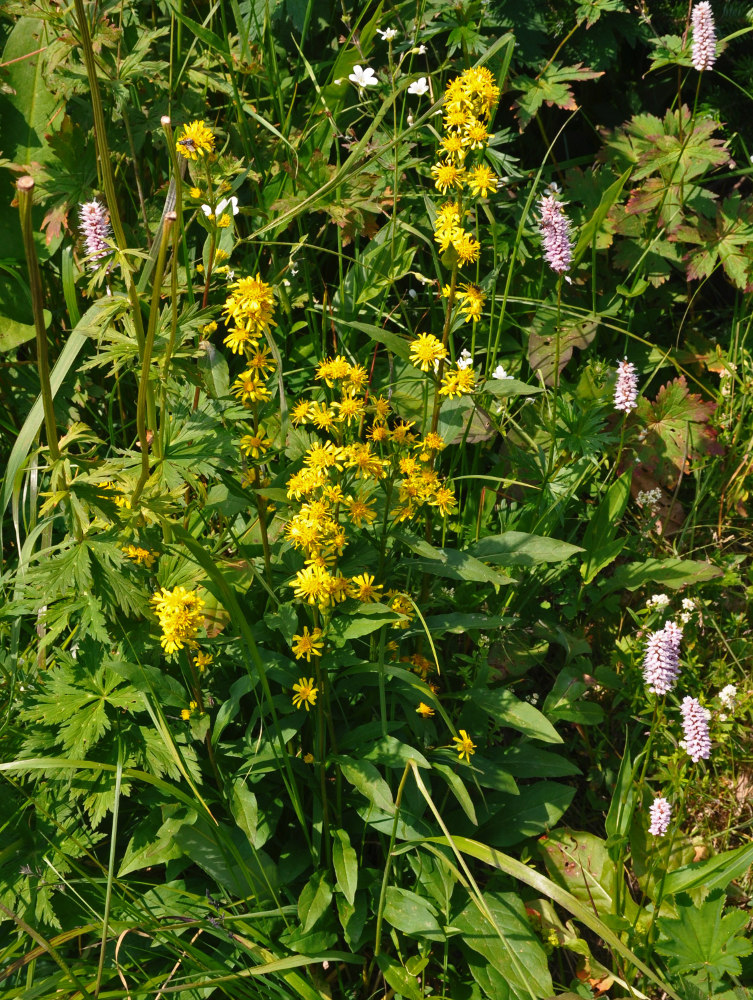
(146, 359)
(25, 188)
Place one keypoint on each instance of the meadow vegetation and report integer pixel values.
(377, 443)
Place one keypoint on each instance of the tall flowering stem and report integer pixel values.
(25, 188)
(146, 360)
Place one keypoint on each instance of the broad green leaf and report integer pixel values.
(536, 809)
(510, 387)
(511, 947)
(214, 370)
(13, 333)
(565, 701)
(715, 872)
(369, 782)
(591, 228)
(153, 843)
(701, 938)
(246, 813)
(517, 548)
(599, 538)
(227, 857)
(526, 760)
(28, 102)
(345, 861)
(398, 977)
(458, 789)
(580, 863)
(670, 573)
(462, 623)
(451, 563)
(550, 87)
(507, 710)
(314, 900)
(367, 619)
(412, 914)
(392, 341)
(392, 753)
(621, 808)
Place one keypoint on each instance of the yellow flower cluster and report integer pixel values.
(196, 140)
(469, 101)
(249, 308)
(179, 615)
(337, 484)
(141, 556)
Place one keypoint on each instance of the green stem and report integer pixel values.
(445, 338)
(388, 864)
(166, 125)
(555, 398)
(25, 188)
(141, 406)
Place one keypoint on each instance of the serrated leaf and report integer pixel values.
(551, 87)
(703, 938)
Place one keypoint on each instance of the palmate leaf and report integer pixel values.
(728, 241)
(703, 938)
(552, 87)
(677, 431)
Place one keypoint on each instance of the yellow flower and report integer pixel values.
(261, 360)
(400, 433)
(464, 745)
(481, 180)
(308, 645)
(467, 248)
(447, 175)
(333, 369)
(312, 584)
(140, 555)
(402, 606)
(186, 713)
(365, 462)
(381, 409)
(195, 192)
(425, 710)
(363, 589)
(301, 412)
(203, 660)
(254, 445)
(444, 498)
(433, 442)
(179, 615)
(475, 134)
(250, 307)
(305, 693)
(349, 408)
(224, 221)
(471, 300)
(196, 140)
(322, 416)
(426, 351)
(378, 433)
(359, 510)
(208, 329)
(249, 388)
(308, 758)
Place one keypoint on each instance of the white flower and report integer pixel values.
(338, 81)
(232, 201)
(409, 119)
(363, 77)
(465, 360)
(230, 275)
(421, 51)
(419, 87)
(499, 372)
(727, 696)
(207, 210)
(388, 34)
(657, 601)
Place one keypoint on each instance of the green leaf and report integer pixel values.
(507, 710)
(621, 808)
(314, 900)
(227, 856)
(591, 228)
(564, 702)
(458, 789)
(451, 563)
(580, 863)
(526, 760)
(369, 782)
(392, 753)
(399, 978)
(345, 861)
(715, 872)
(702, 939)
(215, 371)
(28, 102)
(510, 387)
(670, 573)
(152, 843)
(367, 619)
(535, 810)
(551, 87)
(412, 914)
(517, 548)
(509, 945)
(599, 542)
(392, 341)
(13, 333)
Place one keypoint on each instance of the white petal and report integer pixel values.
(207, 210)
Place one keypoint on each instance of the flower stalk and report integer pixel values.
(25, 188)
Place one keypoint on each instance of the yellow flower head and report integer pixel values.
(481, 180)
(359, 510)
(301, 412)
(255, 445)
(249, 388)
(425, 710)
(308, 645)
(250, 308)
(427, 351)
(447, 175)
(305, 693)
(464, 745)
(195, 141)
(179, 615)
(203, 660)
(471, 300)
(140, 555)
(467, 248)
(364, 590)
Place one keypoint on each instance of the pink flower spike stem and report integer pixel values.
(661, 664)
(95, 223)
(554, 226)
(626, 389)
(660, 814)
(695, 725)
(704, 37)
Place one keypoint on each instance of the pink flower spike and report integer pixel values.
(626, 389)
(695, 725)
(95, 223)
(661, 664)
(660, 814)
(704, 37)
(554, 226)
